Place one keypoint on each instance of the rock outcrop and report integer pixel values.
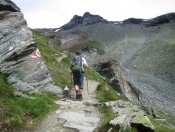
(129, 115)
(20, 59)
(117, 78)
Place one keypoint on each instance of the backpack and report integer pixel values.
(77, 64)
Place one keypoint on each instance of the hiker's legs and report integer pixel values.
(76, 81)
(76, 87)
(81, 85)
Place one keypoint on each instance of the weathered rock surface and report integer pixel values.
(19, 57)
(129, 115)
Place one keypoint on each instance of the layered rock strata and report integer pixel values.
(20, 59)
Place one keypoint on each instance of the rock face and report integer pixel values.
(19, 57)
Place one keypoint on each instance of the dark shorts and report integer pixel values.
(78, 78)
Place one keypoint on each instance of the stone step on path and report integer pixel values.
(73, 115)
(76, 115)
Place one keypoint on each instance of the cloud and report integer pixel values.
(55, 13)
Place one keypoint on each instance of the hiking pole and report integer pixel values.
(71, 80)
(87, 81)
(71, 86)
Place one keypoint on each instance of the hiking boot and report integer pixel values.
(77, 96)
(80, 97)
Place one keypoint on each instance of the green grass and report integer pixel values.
(93, 75)
(19, 112)
(59, 70)
(108, 116)
(106, 93)
(164, 126)
(90, 44)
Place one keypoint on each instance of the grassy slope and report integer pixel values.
(104, 94)
(59, 71)
(19, 112)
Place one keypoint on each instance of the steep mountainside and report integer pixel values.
(144, 51)
(19, 57)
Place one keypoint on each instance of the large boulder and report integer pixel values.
(19, 57)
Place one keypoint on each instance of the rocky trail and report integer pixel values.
(73, 115)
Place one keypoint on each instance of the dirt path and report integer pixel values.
(73, 115)
(63, 55)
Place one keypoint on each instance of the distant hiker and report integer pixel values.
(78, 64)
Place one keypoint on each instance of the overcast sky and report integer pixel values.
(55, 13)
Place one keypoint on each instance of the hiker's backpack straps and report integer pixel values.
(77, 63)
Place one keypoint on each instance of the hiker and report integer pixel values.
(78, 64)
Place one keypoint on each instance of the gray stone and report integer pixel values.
(79, 121)
(129, 116)
(26, 70)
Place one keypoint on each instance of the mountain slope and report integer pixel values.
(144, 49)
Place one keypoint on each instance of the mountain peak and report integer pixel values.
(87, 14)
(86, 19)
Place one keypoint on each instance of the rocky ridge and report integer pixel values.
(85, 20)
(19, 57)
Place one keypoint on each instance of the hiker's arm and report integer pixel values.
(85, 63)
